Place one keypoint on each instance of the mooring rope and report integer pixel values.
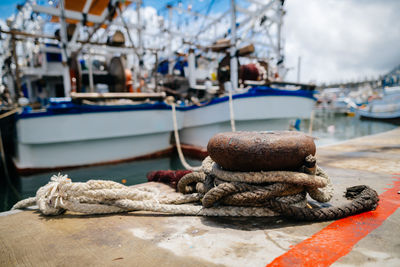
(231, 112)
(185, 164)
(208, 192)
(170, 101)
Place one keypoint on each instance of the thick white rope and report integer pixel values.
(270, 176)
(318, 185)
(231, 112)
(103, 197)
(178, 142)
(310, 127)
(99, 197)
(195, 210)
(185, 164)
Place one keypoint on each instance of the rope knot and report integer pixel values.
(50, 197)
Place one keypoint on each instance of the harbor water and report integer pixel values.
(327, 129)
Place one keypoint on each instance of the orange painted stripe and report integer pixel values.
(338, 238)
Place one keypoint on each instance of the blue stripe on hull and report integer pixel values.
(70, 108)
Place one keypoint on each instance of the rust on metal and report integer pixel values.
(261, 151)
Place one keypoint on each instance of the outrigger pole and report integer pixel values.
(64, 52)
(170, 67)
(17, 73)
(233, 54)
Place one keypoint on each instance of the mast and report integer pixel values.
(64, 42)
(234, 63)
(90, 69)
(191, 68)
(139, 32)
(169, 51)
(17, 72)
(298, 69)
(280, 63)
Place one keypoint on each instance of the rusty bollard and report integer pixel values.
(261, 151)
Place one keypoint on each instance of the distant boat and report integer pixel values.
(387, 108)
(335, 101)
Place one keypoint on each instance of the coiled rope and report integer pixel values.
(210, 192)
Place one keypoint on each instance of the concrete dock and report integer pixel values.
(146, 239)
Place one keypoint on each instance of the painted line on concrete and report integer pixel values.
(337, 239)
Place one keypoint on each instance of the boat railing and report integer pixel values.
(106, 96)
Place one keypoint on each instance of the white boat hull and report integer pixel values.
(84, 139)
(265, 113)
(387, 108)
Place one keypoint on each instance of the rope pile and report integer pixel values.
(283, 192)
(209, 192)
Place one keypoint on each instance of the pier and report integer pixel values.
(147, 239)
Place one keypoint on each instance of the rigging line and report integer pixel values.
(204, 20)
(198, 11)
(202, 25)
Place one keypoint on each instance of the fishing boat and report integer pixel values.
(81, 106)
(70, 134)
(386, 108)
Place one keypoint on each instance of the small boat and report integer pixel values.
(335, 101)
(387, 108)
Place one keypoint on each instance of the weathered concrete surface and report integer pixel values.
(145, 239)
(370, 160)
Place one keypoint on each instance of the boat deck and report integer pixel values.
(146, 239)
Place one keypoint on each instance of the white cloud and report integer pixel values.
(3, 24)
(342, 40)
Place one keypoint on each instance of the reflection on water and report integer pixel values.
(333, 129)
(327, 129)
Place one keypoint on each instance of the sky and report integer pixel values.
(7, 8)
(337, 40)
(342, 40)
